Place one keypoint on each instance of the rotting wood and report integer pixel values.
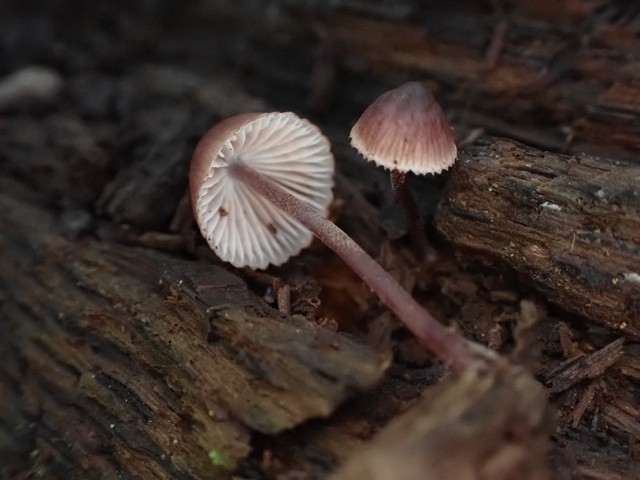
(475, 426)
(119, 370)
(629, 365)
(110, 117)
(576, 369)
(571, 225)
(555, 83)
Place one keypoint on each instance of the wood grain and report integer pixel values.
(568, 224)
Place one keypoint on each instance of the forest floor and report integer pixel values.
(100, 109)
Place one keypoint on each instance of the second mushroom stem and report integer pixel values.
(451, 348)
(415, 229)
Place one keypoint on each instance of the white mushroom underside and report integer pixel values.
(240, 225)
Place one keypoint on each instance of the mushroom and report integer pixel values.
(240, 225)
(405, 130)
(260, 169)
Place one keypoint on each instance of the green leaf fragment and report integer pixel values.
(218, 459)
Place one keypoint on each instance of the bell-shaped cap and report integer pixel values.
(240, 225)
(406, 130)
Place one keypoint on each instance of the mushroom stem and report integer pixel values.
(452, 349)
(412, 216)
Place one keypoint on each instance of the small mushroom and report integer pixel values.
(261, 183)
(240, 225)
(405, 130)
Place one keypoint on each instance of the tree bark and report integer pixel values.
(571, 225)
(134, 364)
(493, 425)
(554, 75)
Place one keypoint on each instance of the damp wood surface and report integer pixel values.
(129, 351)
(557, 76)
(570, 224)
(161, 359)
(475, 427)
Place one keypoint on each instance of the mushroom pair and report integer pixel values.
(261, 185)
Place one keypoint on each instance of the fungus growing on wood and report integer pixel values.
(256, 170)
(405, 130)
(241, 226)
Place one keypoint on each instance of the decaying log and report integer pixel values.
(578, 368)
(557, 75)
(107, 372)
(490, 426)
(569, 224)
(134, 364)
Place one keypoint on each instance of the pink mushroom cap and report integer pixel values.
(406, 130)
